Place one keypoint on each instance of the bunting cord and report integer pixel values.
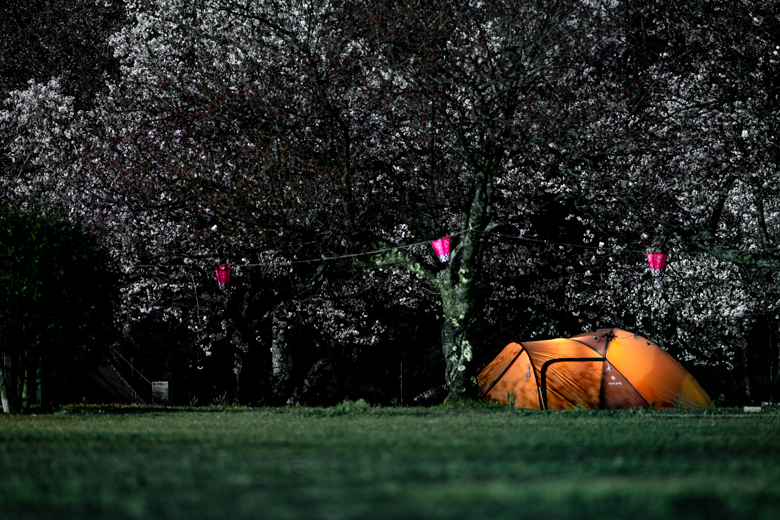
(619, 249)
(311, 260)
(602, 249)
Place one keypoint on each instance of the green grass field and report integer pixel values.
(378, 463)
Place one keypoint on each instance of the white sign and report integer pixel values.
(160, 390)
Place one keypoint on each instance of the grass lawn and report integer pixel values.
(460, 462)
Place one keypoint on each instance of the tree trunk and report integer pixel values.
(14, 383)
(458, 308)
(3, 391)
(456, 283)
(281, 361)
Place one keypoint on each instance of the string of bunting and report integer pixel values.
(441, 246)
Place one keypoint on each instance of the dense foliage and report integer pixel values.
(56, 310)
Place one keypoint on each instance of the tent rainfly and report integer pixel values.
(606, 369)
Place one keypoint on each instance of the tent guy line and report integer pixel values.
(610, 250)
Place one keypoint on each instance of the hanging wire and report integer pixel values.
(606, 249)
(311, 260)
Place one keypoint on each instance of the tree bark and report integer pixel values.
(456, 283)
(459, 314)
(281, 361)
(3, 390)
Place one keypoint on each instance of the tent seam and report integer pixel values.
(601, 392)
(509, 365)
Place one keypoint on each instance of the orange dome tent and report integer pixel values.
(606, 369)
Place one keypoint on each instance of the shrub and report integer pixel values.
(56, 309)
